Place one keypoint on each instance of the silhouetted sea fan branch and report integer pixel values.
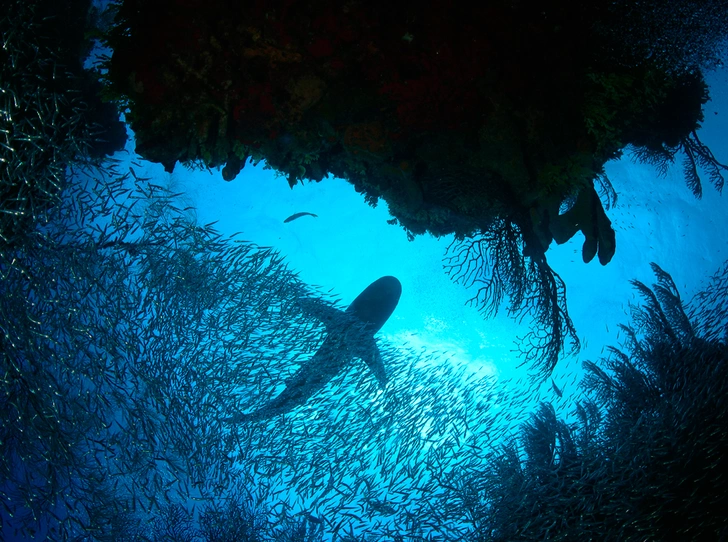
(605, 190)
(690, 171)
(539, 438)
(661, 159)
(645, 458)
(699, 153)
(493, 262)
(672, 305)
(696, 155)
(598, 381)
(709, 310)
(551, 327)
(651, 318)
(588, 426)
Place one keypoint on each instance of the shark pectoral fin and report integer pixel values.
(370, 354)
(291, 380)
(327, 314)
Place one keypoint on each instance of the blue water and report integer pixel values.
(349, 245)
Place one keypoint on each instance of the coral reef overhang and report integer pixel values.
(456, 117)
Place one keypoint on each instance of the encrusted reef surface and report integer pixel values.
(491, 123)
(452, 116)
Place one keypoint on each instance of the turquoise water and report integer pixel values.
(354, 457)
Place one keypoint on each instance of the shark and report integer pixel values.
(349, 335)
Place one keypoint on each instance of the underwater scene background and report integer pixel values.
(146, 314)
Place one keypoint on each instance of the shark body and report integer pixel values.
(350, 334)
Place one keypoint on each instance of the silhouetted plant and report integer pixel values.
(494, 262)
(708, 310)
(696, 155)
(645, 458)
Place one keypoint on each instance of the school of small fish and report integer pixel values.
(129, 334)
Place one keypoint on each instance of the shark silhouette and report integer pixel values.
(350, 334)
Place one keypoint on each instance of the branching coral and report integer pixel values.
(495, 264)
(501, 114)
(696, 155)
(645, 457)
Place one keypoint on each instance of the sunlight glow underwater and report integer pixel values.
(459, 357)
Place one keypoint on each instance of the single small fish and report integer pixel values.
(298, 215)
(556, 389)
(382, 507)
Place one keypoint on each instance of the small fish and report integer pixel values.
(382, 507)
(556, 389)
(349, 334)
(298, 215)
